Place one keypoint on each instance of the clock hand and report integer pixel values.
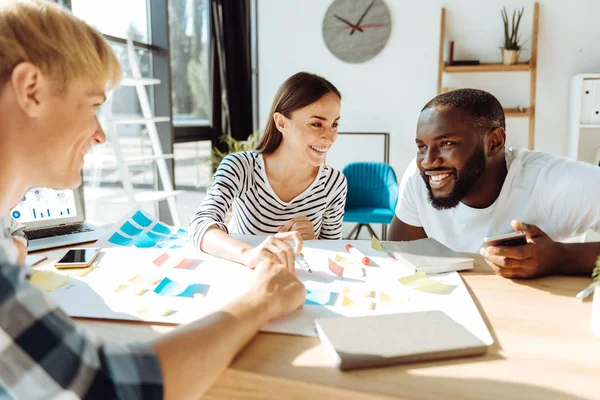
(347, 23)
(363, 16)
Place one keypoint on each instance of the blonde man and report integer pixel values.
(54, 71)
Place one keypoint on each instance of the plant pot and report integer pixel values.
(510, 57)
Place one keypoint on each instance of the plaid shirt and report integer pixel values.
(43, 354)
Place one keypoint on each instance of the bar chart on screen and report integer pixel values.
(43, 204)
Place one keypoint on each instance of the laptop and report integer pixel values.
(53, 218)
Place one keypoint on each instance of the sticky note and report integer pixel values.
(188, 263)
(129, 229)
(412, 279)
(160, 228)
(376, 244)
(319, 297)
(168, 287)
(119, 239)
(155, 236)
(48, 281)
(141, 219)
(143, 241)
(160, 260)
(420, 281)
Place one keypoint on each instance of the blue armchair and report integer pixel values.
(372, 196)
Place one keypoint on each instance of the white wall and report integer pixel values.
(386, 93)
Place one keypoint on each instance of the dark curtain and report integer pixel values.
(231, 69)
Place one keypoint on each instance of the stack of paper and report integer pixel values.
(428, 255)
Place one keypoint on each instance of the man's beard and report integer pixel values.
(464, 181)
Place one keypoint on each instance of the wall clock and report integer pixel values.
(356, 30)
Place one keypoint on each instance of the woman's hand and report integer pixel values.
(276, 249)
(302, 225)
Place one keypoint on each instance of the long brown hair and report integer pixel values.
(298, 91)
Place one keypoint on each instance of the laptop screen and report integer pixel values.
(40, 204)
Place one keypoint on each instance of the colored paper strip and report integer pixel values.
(143, 241)
(120, 240)
(160, 260)
(141, 219)
(130, 230)
(188, 263)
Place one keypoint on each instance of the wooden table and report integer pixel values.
(544, 349)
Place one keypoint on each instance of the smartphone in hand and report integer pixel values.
(508, 239)
(77, 258)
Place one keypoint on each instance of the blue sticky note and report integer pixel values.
(154, 236)
(120, 240)
(144, 241)
(182, 232)
(140, 219)
(318, 298)
(167, 287)
(129, 229)
(162, 229)
(196, 288)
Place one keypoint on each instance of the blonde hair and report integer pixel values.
(65, 48)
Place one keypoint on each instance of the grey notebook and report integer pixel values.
(361, 342)
(428, 255)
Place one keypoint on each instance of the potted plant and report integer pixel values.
(231, 145)
(512, 46)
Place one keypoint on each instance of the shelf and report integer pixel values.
(146, 159)
(589, 126)
(487, 67)
(516, 113)
(131, 81)
(139, 121)
(147, 196)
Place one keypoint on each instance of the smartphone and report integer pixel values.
(77, 258)
(508, 239)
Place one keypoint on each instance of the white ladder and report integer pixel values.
(149, 120)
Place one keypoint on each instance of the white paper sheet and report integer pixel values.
(97, 293)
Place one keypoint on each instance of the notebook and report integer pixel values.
(371, 341)
(53, 218)
(428, 255)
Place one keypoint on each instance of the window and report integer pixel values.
(189, 40)
(130, 19)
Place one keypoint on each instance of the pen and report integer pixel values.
(302, 263)
(587, 291)
(356, 253)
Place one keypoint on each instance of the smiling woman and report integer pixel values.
(284, 186)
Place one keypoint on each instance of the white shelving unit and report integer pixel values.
(584, 118)
(148, 120)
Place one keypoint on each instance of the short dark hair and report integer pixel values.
(482, 108)
(298, 91)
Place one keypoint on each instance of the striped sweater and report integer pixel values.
(241, 180)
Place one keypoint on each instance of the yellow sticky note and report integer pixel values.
(48, 281)
(347, 261)
(414, 278)
(122, 289)
(391, 300)
(420, 281)
(376, 244)
(431, 286)
(167, 313)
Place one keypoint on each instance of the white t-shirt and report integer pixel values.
(560, 196)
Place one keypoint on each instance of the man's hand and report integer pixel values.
(302, 225)
(20, 240)
(277, 290)
(539, 257)
(275, 249)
